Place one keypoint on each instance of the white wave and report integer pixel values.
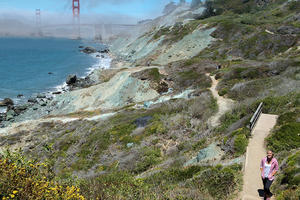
(2, 109)
(103, 62)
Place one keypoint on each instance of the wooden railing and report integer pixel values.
(255, 116)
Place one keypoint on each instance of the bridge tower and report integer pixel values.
(76, 17)
(38, 21)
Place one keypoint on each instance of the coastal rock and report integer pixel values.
(10, 115)
(89, 50)
(6, 102)
(32, 100)
(19, 109)
(20, 95)
(57, 92)
(71, 79)
(82, 83)
(41, 96)
(104, 51)
(43, 104)
(2, 117)
(80, 47)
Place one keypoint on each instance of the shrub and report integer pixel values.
(174, 175)
(294, 5)
(288, 117)
(288, 180)
(156, 127)
(116, 185)
(218, 181)
(285, 138)
(223, 91)
(26, 179)
(151, 157)
(200, 144)
(240, 144)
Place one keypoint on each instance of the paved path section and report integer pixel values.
(255, 152)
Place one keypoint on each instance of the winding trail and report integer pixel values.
(255, 152)
(224, 104)
(256, 148)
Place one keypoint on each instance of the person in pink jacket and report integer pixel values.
(268, 167)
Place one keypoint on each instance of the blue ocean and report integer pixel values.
(34, 65)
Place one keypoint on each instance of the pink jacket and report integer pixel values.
(274, 167)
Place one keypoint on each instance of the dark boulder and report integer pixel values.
(71, 79)
(20, 95)
(50, 73)
(21, 108)
(89, 50)
(6, 102)
(82, 83)
(104, 51)
(81, 47)
(41, 96)
(57, 92)
(32, 100)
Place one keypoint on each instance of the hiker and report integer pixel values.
(268, 167)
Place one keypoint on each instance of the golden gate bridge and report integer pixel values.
(99, 29)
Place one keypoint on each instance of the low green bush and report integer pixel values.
(150, 157)
(240, 144)
(173, 175)
(287, 185)
(287, 137)
(220, 182)
(200, 144)
(116, 185)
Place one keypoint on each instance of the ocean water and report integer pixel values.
(25, 64)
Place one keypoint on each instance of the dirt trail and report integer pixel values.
(223, 104)
(255, 152)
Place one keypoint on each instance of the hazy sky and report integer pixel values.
(133, 8)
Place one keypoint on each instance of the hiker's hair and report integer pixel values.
(271, 152)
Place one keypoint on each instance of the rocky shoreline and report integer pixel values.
(41, 104)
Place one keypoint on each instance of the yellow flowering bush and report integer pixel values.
(26, 179)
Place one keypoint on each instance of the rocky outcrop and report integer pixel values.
(6, 102)
(71, 79)
(89, 50)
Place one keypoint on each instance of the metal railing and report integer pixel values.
(255, 116)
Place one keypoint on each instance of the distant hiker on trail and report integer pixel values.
(268, 167)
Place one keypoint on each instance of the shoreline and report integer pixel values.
(103, 61)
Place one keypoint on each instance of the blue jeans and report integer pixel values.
(267, 184)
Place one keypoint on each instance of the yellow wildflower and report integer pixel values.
(15, 192)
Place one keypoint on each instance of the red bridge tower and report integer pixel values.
(76, 17)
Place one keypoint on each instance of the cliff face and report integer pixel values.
(177, 105)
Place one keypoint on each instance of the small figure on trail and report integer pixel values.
(268, 167)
